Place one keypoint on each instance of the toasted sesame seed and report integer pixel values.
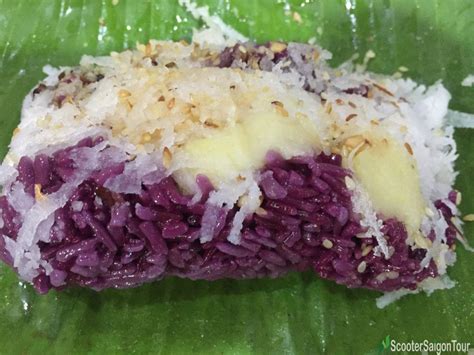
(381, 88)
(171, 103)
(370, 54)
(392, 275)
(408, 148)
(171, 65)
(146, 137)
(38, 194)
(327, 244)
(211, 124)
(429, 212)
(124, 93)
(351, 116)
(297, 17)
(277, 47)
(469, 217)
(328, 108)
(367, 250)
(354, 141)
(280, 108)
(242, 200)
(361, 267)
(167, 156)
(349, 183)
(458, 198)
(148, 49)
(422, 241)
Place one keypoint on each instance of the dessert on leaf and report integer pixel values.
(209, 161)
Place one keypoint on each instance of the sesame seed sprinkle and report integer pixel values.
(362, 267)
(469, 217)
(327, 244)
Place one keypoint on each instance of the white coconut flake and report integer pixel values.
(428, 285)
(103, 101)
(460, 119)
(77, 206)
(52, 75)
(468, 80)
(363, 206)
(217, 33)
(226, 196)
(208, 222)
(19, 199)
(433, 105)
(7, 175)
(250, 204)
(26, 243)
(47, 267)
(44, 229)
(130, 181)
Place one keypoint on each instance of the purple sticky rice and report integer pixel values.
(305, 222)
(102, 239)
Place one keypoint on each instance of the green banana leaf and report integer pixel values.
(295, 314)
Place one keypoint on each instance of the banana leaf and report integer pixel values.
(297, 314)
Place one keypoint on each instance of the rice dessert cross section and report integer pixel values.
(242, 161)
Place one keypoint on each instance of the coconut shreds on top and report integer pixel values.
(468, 80)
(149, 103)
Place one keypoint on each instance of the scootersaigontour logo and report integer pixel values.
(453, 346)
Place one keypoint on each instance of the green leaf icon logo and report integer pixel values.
(386, 342)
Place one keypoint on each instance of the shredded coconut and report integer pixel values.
(250, 204)
(226, 196)
(130, 181)
(19, 199)
(429, 286)
(218, 32)
(77, 206)
(468, 80)
(363, 206)
(460, 119)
